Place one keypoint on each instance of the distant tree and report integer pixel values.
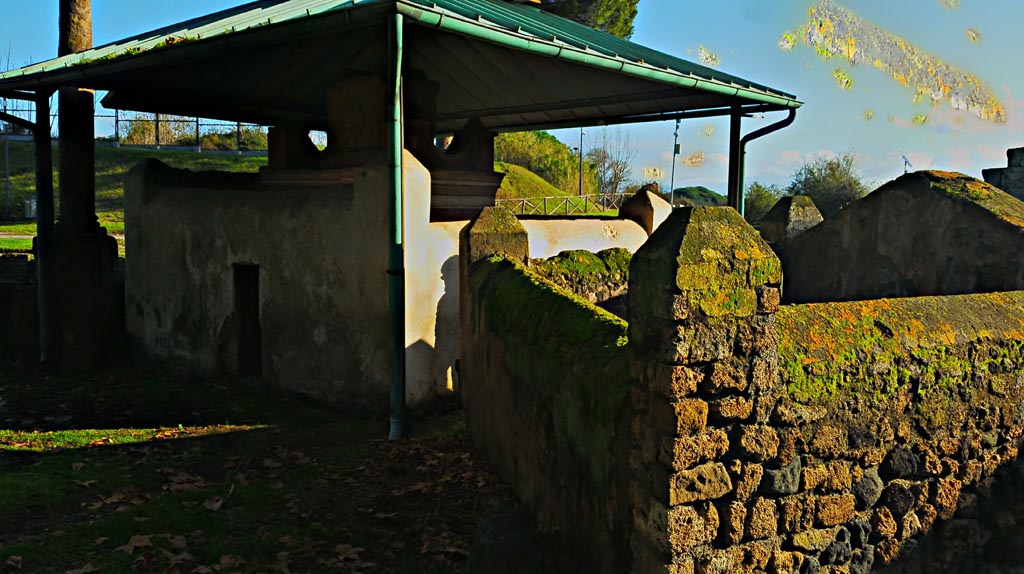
(759, 200)
(612, 16)
(832, 182)
(697, 195)
(612, 158)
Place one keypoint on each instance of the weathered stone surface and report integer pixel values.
(733, 518)
(829, 441)
(900, 463)
(834, 509)
(685, 418)
(673, 381)
(691, 526)
(898, 498)
(910, 525)
(791, 443)
(839, 551)
(887, 550)
(788, 218)
(746, 476)
(784, 562)
(868, 489)
(761, 442)
(860, 532)
(782, 481)
(814, 541)
(705, 482)
(762, 519)
(788, 413)
(731, 409)
(810, 566)
(768, 299)
(796, 513)
(862, 561)
(831, 477)
(683, 453)
(883, 525)
(730, 374)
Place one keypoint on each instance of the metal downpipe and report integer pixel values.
(733, 192)
(789, 119)
(44, 219)
(396, 232)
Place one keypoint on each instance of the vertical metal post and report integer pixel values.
(582, 133)
(396, 235)
(156, 125)
(7, 174)
(734, 192)
(44, 218)
(672, 180)
(117, 127)
(238, 138)
(199, 146)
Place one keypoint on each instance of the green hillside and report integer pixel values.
(698, 195)
(520, 182)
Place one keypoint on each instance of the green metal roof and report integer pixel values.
(512, 65)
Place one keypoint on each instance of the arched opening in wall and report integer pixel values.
(247, 311)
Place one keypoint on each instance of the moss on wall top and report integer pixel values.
(875, 349)
(563, 351)
(968, 189)
(584, 269)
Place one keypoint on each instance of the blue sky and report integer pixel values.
(744, 34)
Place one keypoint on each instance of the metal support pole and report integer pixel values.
(582, 133)
(117, 127)
(790, 117)
(156, 126)
(396, 243)
(44, 219)
(735, 157)
(7, 175)
(199, 146)
(238, 138)
(672, 180)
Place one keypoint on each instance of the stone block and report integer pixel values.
(788, 218)
(791, 442)
(682, 418)
(768, 299)
(901, 462)
(685, 452)
(691, 526)
(747, 477)
(1015, 157)
(782, 481)
(945, 496)
(730, 374)
(760, 442)
(784, 562)
(813, 541)
(796, 514)
(829, 441)
(733, 517)
(705, 482)
(494, 230)
(840, 550)
(887, 550)
(673, 381)
(833, 476)
(762, 519)
(883, 525)
(868, 489)
(834, 509)
(788, 413)
(909, 526)
(898, 498)
(862, 560)
(730, 409)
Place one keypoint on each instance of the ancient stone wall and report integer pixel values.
(925, 233)
(600, 278)
(546, 393)
(835, 437)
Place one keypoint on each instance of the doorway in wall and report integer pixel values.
(247, 310)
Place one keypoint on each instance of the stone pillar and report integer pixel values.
(494, 230)
(788, 218)
(702, 294)
(87, 310)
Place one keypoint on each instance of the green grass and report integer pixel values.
(111, 166)
(520, 182)
(142, 471)
(15, 244)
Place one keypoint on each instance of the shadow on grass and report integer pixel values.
(293, 487)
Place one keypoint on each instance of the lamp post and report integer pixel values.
(672, 180)
(582, 133)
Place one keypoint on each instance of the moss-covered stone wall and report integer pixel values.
(548, 374)
(600, 278)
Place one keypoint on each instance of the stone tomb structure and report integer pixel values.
(720, 431)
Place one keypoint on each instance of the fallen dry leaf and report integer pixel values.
(100, 540)
(78, 466)
(213, 503)
(83, 570)
(137, 541)
(347, 552)
(14, 562)
(85, 483)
